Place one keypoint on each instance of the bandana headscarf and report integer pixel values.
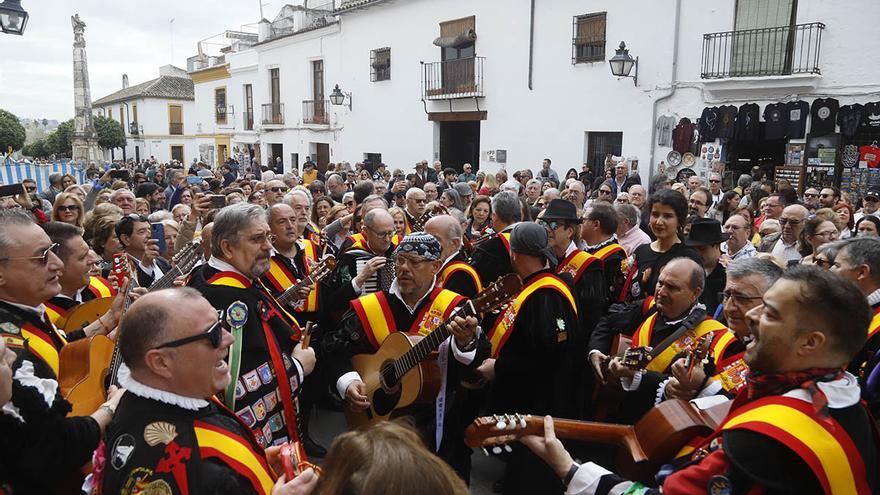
(420, 244)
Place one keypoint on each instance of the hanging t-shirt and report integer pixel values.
(796, 119)
(683, 135)
(708, 128)
(776, 122)
(747, 122)
(726, 121)
(849, 118)
(665, 124)
(824, 115)
(871, 154)
(871, 120)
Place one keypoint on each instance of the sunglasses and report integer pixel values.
(30, 189)
(68, 208)
(43, 258)
(552, 225)
(278, 189)
(792, 221)
(713, 181)
(214, 335)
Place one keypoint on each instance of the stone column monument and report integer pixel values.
(85, 139)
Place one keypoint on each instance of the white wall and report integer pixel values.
(155, 140)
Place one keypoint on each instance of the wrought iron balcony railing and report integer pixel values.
(315, 111)
(175, 128)
(773, 51)
(273, 113)
(459, 78)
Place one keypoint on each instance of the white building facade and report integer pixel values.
(506, 84)
(157, 117)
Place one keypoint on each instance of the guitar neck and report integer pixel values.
(289, 295)
(430, 343)
(166, 280)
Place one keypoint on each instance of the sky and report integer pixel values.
(131, 37)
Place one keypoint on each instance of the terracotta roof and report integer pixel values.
(173, 88)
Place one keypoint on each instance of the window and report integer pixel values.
(220, 105)
(599, 146)
(175, 120)
(134, 113)
(122, 115)
(177, 152)
(275, 86)
(248, 107)
(380, 64)
(109, 113)
(588, 43)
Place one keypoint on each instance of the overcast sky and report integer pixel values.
(123, 36)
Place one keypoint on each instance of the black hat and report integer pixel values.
(561, 209)
(705, 232)
(873, 193)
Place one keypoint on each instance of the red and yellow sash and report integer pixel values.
(375, 314)
(648, 305)
(503, 326)
(505, 239)
(42, 345)
(281, 278)
(661, 362)
(55, 312)
(101, 287)
(232, 279)
(459, 266)
(609, 250)
(575, 263)
(874, 326)
(823, 445)
(358, 241)
(236, 452)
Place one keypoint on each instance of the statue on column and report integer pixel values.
(85, 139)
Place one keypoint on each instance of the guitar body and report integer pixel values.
(421, 384)
(84, 314)
(83, 373)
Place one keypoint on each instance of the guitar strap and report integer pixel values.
(236, 317)
(695, 318)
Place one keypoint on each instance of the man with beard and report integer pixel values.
(153, 194)
(699, 202)
(268, 364)
(798, 426)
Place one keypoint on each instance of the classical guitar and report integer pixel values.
(89, 366)
(637, 358)
(400, 374)
(418, 224)
(652, 442)
(318, 273)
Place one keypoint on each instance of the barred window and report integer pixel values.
(588, 39)
(380, 64)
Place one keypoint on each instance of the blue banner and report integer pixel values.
(13, 172)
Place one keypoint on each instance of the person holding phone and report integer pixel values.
(136, 236)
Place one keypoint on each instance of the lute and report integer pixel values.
(400, 374)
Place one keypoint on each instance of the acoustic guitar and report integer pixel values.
(317, 273)
(88, 366)
(653, 441)
(400, 374)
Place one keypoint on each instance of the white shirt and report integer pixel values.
(786, 252)
(135, 387)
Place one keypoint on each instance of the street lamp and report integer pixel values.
(337, 97)
(622, 63)
(13, 18)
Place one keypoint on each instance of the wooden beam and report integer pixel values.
(456, 116)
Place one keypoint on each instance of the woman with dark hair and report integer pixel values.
(868, 226)
(319, 212)
(451, 199)
(479, 218)
(816, 232)
(726, 206)
(668, 216)
(571, 174)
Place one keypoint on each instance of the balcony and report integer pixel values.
(460, 78)
(315, 112)
(764, 52)
(175, 128)
(248, 120)
(273, 113)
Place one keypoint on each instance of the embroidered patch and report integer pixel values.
(251, 381)
(259, 409)
(271, 400)
(267, 433)
(287, 362)
(276, 423)
(157, 487)
(246, 415)
(239, 389)
(265, 373)
(236, 314)
(8, 327)
(294, 382)
(280, 441)
(719, 485)
(137, 481)
(14, 342)
(159, 432)
(122, 449)
(261, 439)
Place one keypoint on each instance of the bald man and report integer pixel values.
(455, 274)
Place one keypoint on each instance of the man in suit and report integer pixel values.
(134, 233)
(622, 181)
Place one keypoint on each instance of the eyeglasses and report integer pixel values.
(552, 225)
(824, 195)
(604, 191)
(278, 189)
(30, 189)
(812, 195)
(383, 235)
(214, 335)
(792, 221)
(714, 181)
(68, 208)
(262, 238)
(43, 258)
(736, 297)
(403, 260)
(827, 233)
(822, 263)
(419, 201)
(695, 202)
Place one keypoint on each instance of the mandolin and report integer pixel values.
(652, 442)
(318, 273)
(89, 366)
(399, 373)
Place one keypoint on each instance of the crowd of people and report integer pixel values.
(242, 300)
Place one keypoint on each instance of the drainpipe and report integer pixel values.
(672, 83)
(531, 41)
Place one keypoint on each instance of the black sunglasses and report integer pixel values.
(214, 334)
(42, 258)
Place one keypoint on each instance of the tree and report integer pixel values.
(110, 133)
(11, 132)
(58, 142)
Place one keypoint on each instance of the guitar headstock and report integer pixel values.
(699, 352)
(322, 269)
(187, 258)
(498, 430)
(636, 358)
(497, 293)
(121, 267)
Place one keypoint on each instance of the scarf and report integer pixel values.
(762, 385)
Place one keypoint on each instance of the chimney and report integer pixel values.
(264, 30)
(124, 81)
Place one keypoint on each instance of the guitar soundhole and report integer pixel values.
(389, 381)
(385, 399)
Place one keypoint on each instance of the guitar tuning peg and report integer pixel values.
(496, 450)
(485, 452)
(500, 424)
(522, 422)
(507, 448)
